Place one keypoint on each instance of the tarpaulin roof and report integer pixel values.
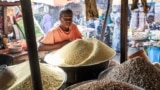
(56, 2)
(118, 2)
(9, 0)
(48, 2)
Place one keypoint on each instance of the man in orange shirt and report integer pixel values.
(61, 35)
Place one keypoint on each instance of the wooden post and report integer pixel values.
(5, 24)
(109, 4)
(2, 14)
(124, 31)
(31, 43)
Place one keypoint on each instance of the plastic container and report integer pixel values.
(15, 49)
(153, 53)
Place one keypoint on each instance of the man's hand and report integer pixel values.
(48, 47)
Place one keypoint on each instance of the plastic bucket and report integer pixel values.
(154, 53)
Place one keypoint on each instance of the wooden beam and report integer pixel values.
(9, 3)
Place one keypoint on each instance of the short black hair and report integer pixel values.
(65, 11)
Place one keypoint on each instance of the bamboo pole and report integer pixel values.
(31, 44)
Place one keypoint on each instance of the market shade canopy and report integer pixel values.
(48, 2)
(56, 2)
(118, 2)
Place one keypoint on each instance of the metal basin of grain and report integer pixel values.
(105, 72)
(52, 77)
(136, 71)
(103, 85)
(82, 73)
(77, 84)
(82, 59)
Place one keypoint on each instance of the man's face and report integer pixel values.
(150, 19)
(66, 20)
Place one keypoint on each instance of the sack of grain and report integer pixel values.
(7, 77)
(81, 52)
(105, 85)
(136, 71)
(51, 79)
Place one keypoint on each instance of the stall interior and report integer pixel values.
(143, 35)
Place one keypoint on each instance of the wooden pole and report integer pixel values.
(5, 25)
(31, 43)
(124, 30)
(109, 4)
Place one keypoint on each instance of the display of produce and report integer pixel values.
(81, 52)
(136, 71)
(84, 59)
(139, 36)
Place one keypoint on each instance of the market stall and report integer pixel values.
(96, 56)
(144, 30)
(31, 44)
(26, 19)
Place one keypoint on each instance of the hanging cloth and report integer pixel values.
(91, 9)
(144, 4)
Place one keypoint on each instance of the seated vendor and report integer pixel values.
(61, 35)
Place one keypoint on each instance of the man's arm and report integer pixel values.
(47, 47)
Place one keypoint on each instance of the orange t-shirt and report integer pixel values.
(58, 35)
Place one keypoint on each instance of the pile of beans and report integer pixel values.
(136, 71)
(106, 85)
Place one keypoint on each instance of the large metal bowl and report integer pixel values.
(105, 72)
(77, 74)
(89, 67)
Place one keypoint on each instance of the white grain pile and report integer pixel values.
(138, 72)
(82, 52)
(106, 85)
(51, 80)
